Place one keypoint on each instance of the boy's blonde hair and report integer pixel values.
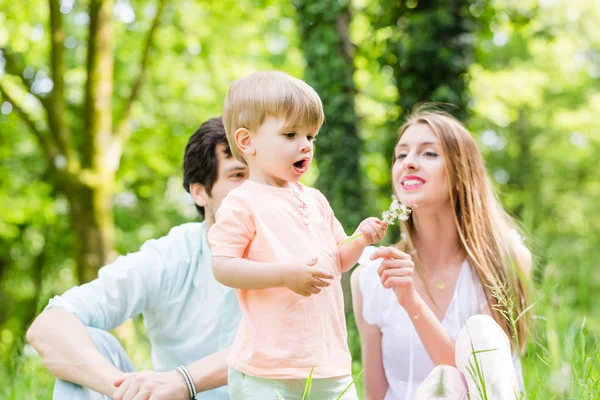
(271, 93)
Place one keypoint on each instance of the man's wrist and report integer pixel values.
(185, 383)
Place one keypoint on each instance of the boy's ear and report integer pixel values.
(243, 140)
(199, 194)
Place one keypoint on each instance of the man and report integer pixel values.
(190, 318)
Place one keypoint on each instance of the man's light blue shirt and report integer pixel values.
(187, 313)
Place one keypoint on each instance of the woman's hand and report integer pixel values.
(396, 272)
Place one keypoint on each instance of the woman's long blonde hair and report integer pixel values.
(484, 227)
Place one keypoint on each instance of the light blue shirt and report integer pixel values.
(187, 313)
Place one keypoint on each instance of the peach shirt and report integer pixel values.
(283, 335)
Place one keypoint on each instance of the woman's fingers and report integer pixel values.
(397, 282)
(395, 264)
(399, 272)
(390, 252)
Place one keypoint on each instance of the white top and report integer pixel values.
(405, 361)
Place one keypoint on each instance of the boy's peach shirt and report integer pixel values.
(282, 334)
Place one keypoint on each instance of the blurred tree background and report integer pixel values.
(98, 98)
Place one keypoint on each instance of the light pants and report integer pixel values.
(112, 350)
(246, 387)
(484, 337)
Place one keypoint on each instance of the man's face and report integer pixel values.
(231, 173)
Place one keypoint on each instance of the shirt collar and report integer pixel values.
(204, 258)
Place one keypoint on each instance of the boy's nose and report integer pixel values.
(306, 146)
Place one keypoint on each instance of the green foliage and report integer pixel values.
(530, 90)
(323, 26)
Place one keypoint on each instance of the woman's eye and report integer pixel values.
(431, 154)
(400, 156)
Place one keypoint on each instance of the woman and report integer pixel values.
(451, 284)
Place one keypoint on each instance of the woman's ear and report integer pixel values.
(243, 139)
(199, 194)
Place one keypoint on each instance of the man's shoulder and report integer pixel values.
(181, 238)
(188, 229)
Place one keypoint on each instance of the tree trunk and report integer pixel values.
(329, 59)
(429, 51)
(92, 221)
(91, 201)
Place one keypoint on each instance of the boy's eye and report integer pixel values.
(290, 135)
(311, 138)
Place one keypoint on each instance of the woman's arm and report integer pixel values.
(376, 384)
(437, 342)
(397, 271)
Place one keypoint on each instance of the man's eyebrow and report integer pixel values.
(236, 168)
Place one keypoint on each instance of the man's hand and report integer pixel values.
(372, 230)
(304, 279)
(146, 385)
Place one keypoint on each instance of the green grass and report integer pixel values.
(562, 360)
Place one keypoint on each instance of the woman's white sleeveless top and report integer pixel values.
(405, 361)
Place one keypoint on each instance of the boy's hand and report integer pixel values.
(305, 279)
(372, 230)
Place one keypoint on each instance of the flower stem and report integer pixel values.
(350, 239)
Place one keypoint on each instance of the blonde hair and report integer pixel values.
(271, 93)
(484, 227)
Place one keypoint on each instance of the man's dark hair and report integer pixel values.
(200, 164)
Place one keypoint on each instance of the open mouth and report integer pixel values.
(301, 166)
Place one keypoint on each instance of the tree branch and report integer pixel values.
(41, 135)
(99, 85)
(122, 130)
(57, 109)
(15, 67)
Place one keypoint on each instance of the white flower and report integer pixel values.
(396, 211)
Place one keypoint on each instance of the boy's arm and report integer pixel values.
(241, 273)
(371, 231)
(302, 278)
(350, 253)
